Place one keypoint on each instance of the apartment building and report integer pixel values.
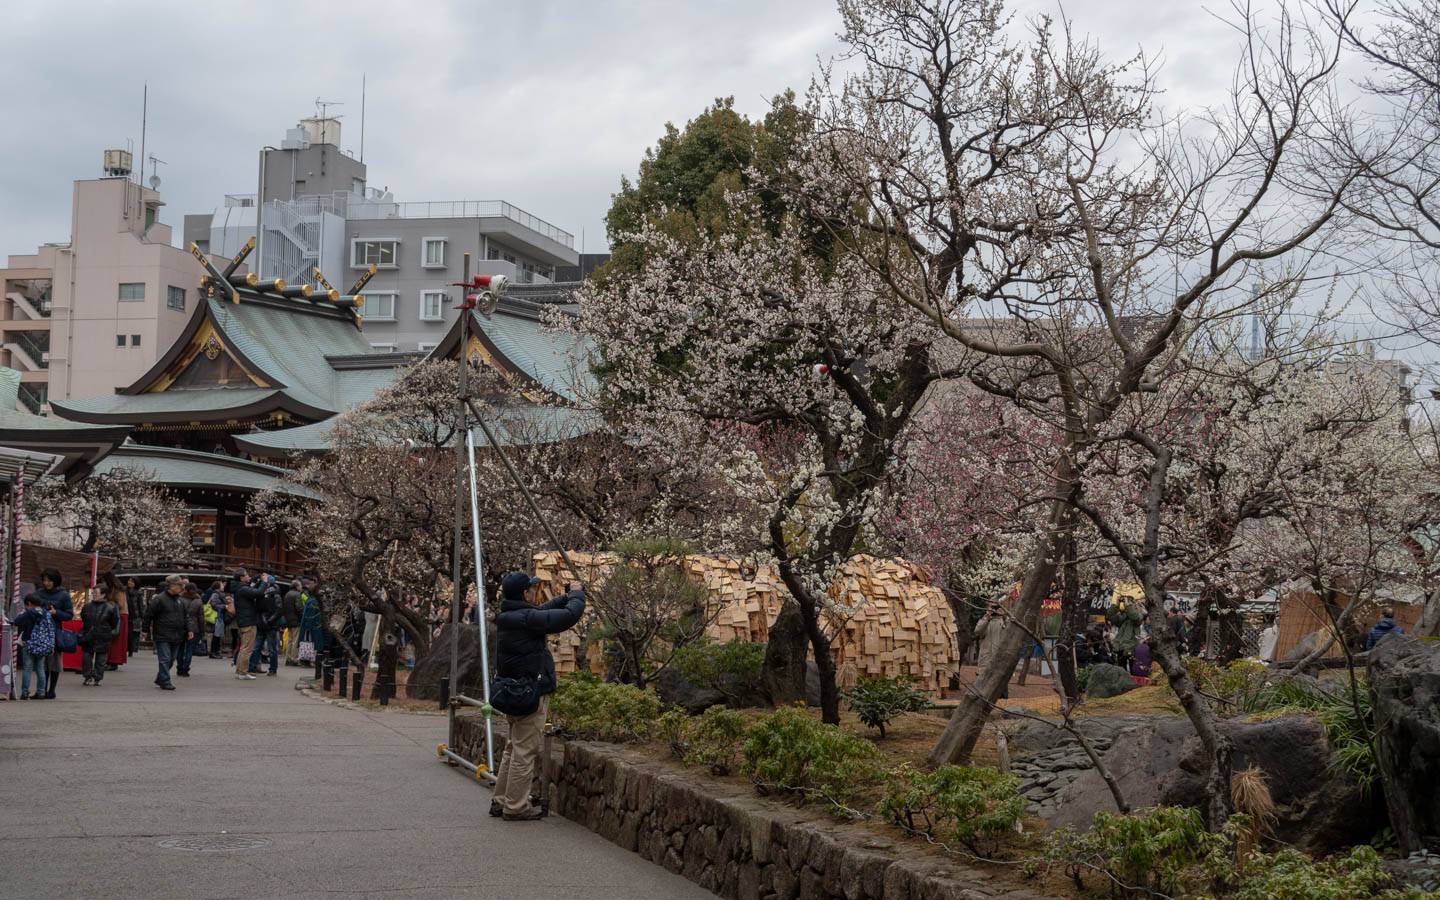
(320, 212)
(87, 316)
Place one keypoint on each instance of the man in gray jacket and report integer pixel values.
(165, 620)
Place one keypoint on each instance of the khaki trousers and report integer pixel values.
(247, 646)
(292, 643)
(517, 766)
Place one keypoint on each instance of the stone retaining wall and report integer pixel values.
(736, 844)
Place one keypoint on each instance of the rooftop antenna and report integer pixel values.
(154, 172)
(144, 121)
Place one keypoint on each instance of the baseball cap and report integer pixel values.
(516, 583)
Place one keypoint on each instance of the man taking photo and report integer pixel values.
(521, 655)
(248, 596)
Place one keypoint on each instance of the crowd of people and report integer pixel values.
(254, 611)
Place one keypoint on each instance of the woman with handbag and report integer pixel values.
(55, 600)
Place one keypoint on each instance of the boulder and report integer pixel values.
(675, 690)
(785, 653)
(1108, 681)
(1305, 646)
(1404, 678)
(434, 667)
(1318, 808)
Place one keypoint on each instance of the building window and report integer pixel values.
(383, 348)
(380, 306)
(134, 340)
(426, 348)
(175, 297)
(432, 305)
(132, 290)
(433, 253)
(119, 340)
(382, 254)
(494, 254)
(357, 186)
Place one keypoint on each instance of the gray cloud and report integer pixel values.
(544, 104)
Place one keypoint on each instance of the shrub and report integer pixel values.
(1242, 685)
(674, 729)
(715, 740)
(964, 803)
(1082, 678)
(587, 708)
(732, 668)
(878, 700)
(1347, 729)
(1163, 850)
(788, 751)
(1291, 875)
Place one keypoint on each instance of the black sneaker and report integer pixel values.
(183, 674)
(272, 673)
(167, 687)
(86, 683)
(496, 810)
(528, 815)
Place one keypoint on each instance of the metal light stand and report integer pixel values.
(466, 409)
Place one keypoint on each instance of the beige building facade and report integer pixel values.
(83, 318)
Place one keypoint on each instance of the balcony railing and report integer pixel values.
(350, 205)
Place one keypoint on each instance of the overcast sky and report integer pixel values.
(543, 104)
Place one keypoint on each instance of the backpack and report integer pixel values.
(42, 637)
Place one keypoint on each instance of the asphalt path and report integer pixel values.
(326, 801)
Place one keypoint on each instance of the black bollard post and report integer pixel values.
(328, 677)
(359, 683)
(319, 666)
(344, 678)
(444, 691)
(385, 688)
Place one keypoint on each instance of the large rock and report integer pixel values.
(1318, 808)
(1405, 686)
(785, 654)
(1305, 646)
(432, 668)
(1108, 681)
(675, 690)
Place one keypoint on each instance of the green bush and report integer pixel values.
(1082, 678)
(715, 740)
(1291, 875)
(1242, 686)
(1346, 715)
(587, 708)
(1164, 850)
(963, 803)
(878, 700)
(674, 729)
(790, 752)
(732, 668)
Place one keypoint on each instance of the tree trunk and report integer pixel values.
(825, 665)
(1429, 625)
(1218, 747)
(967, 722)
(1231, 635)
(784, 675)
(1200, 634)
(964, 610)
(1073, 608)
(390, 657)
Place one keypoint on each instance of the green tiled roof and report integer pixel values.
(291, 347)
(194, 469)
(513, 426)
(135, 406)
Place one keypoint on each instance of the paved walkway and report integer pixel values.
(353, 803)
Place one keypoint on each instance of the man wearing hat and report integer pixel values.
(521, 653)
(165, 620)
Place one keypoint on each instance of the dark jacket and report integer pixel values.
(99, 622)
(520, 650)
(294, 607)
(26, 621)
(1382, 628)
(270, 608)
(1142, 663)
(194, 614)
(57, 602)
(165, 618)
(247, 602)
